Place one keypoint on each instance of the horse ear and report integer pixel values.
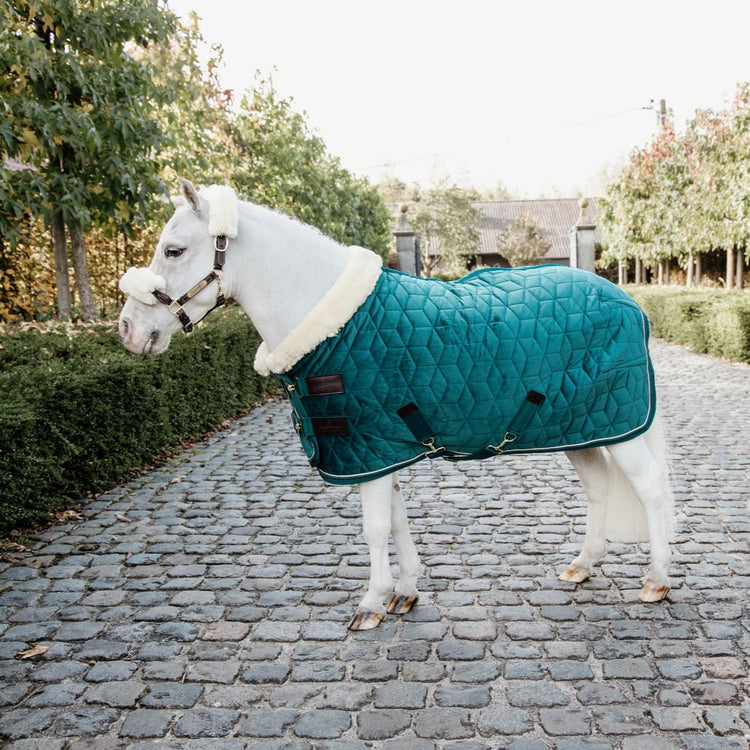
(191, 195)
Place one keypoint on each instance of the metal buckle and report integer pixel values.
(507, 438)
(433, 449)
(175, 308)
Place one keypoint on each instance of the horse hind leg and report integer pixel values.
(648, 479)
(591, 465)
(405, 595)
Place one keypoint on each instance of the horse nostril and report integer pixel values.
(124, 328)
(154, 337)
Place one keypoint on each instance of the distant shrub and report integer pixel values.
(79, 413)
(708, 321)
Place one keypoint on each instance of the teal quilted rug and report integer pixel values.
(543, 358)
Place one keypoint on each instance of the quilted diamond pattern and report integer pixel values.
(467, 353)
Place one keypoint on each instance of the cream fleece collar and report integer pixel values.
(328, 317)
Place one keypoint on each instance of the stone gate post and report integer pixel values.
(582, 245)
(407, 245)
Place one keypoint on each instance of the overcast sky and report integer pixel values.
(540, 95)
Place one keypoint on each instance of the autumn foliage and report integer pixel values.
(684, 196)
(108, 103)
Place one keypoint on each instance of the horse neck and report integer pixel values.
(283, 271)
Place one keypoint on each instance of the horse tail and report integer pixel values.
(657, 444)
(625, 516)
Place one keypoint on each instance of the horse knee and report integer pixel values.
(376, 511)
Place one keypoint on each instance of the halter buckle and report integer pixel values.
(175, 308)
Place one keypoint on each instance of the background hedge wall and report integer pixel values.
(708, 321)
(79, 413)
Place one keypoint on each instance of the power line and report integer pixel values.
(612, 116)
(405, 161)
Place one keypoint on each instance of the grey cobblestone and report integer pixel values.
(216, 618)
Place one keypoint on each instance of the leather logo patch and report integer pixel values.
(330, 426)
(325, 385)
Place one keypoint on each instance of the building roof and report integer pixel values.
(556, 217)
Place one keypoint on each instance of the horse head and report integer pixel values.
(183, 283)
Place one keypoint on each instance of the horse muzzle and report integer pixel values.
(139, 335)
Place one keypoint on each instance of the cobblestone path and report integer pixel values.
(203, 606)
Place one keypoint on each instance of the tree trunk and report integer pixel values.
(698, 269)
(740, 268)
(80, 266)
(690, 267)
(62, 277)
(729, 276)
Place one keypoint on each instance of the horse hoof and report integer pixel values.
(653, 592)
(574, 574)
(365, 620)
(400, 604)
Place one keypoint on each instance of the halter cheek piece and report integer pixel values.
(176, 305)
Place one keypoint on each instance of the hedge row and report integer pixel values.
(707, 321)
(80, 414)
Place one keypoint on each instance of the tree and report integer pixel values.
(523, 243)
(449, 228)
(498, 193)
(286, 166)
(198, 120)
(394, 190)
(79, 95)
(683, 195)
(638, 216)
(106, 104)
(196, 123)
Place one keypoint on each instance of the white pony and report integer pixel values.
(278, 271)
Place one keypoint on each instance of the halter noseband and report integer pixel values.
(176, 305)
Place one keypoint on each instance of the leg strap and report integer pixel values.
(418, 426)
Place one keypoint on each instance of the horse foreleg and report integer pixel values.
(591, 467)
(649, 483)
(376, 529)
(406, 595)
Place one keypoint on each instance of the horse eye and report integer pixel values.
(173, 252)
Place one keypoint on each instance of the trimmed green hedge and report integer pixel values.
(79, 413)
(708, 321)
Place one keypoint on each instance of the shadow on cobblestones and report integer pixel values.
(205, 605)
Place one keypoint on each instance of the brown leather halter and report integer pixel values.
(176, 305)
